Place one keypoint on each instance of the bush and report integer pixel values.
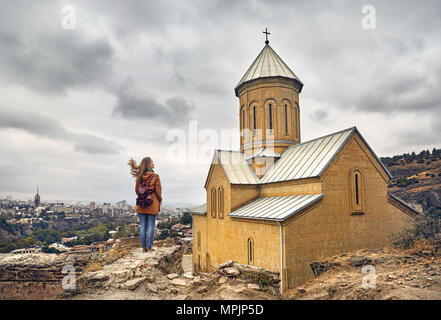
(49, 250)
(420, 245)
(263, 280)
(186, 218)
(426, 228)
(404, 182)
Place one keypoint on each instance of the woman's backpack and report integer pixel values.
(145, 199)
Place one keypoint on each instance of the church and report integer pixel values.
(280, 203)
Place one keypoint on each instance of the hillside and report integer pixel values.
(165, 273)
(416, 178)
(399, 275)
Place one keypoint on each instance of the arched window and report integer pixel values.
(286, 119)
(270, 114)
(296, 124)
(254, 120)
(356, 191)
(221, 203)
(250, 250)
(250, 121)
(213, 202)
(357, 197)
(242, 117)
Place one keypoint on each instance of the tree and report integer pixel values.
(186, 218)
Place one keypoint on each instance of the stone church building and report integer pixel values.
(280, 203)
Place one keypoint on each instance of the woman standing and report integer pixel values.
(147, 182)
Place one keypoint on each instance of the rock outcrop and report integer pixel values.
(37, 275)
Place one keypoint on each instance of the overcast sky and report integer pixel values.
(76, 104)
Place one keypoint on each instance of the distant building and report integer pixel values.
(95, 247)
(37, 199)
(26, 250)
(121, 204)
(65, 240)
(59, 246)
(108, 209)
(180, 227)
(92, 205)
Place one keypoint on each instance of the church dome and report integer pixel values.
(268, 64)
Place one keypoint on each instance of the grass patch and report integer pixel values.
(94, 266)
(114, 254)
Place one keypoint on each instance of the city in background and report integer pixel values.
(36, 225)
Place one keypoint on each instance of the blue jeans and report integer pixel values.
(146, 228)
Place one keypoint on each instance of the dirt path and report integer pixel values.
(164, 273)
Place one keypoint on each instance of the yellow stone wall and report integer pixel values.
(226, 239)
(330, 228)
(291, 188)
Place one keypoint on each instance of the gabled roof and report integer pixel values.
(390, 194)
(237, 170)
(275, 208)
(268, 64)
(304, 160)
(264, 153)
(310, 159)
(202, 209)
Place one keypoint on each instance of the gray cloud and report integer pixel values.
(55, 63)
(39, 54)
(182, 54)
(319, 115)
(176, 111)
(46, 127)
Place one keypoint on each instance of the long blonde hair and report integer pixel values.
(138, 170)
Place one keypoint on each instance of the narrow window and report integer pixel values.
(213, 202)
(356, 189)
(221, 203)
(254, 120)
(270, 118)
(243, 119)
(295, 119)
(249, 119)
(356, 185)
(286, 119)
(250, 249)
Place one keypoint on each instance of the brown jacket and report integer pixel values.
(155, 184)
